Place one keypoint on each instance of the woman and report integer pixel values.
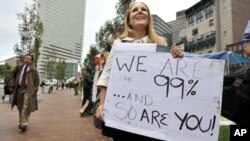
(138, 29)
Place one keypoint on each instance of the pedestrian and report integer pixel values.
(246, 39)
(42, 85)
(25, 79)
(62, 85)
(97, 70)
(115, 35)
(75, 84)
(67, 85)
(4, 93)
(87, 87)
(138, 29)
(51, 85)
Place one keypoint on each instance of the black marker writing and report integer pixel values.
(129, 67)
(197, 123)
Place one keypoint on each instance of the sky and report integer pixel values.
(97, 12)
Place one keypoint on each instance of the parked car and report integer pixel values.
(46, 82)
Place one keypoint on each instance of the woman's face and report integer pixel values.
(139, 16)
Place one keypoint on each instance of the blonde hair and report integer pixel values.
(153, 37)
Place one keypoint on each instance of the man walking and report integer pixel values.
(25, 79)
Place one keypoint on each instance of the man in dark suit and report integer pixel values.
(25, 79)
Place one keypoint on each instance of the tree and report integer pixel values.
(122, 7)
(60, 70)
(89, 61)
(105, 31)
(50, 64)
(103, 36)
(4, 70)
(30, 30)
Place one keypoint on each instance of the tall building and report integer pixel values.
(178, 26)
(63, 22)
(162, 28)
(213, 24)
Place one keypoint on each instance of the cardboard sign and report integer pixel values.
(152, 94)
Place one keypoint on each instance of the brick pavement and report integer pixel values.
(57, 119)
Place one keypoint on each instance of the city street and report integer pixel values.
(57, 119)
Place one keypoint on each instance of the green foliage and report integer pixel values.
(50, 64)
(103, 36)
(60, 70)
(104, 33)
(4, 70)
(121, 11)
(89, 61)
(30, 29)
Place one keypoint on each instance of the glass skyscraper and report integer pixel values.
(63, 22)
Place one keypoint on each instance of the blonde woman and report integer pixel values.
(138, 29)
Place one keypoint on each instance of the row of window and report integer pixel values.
(201, 43)
(195, 31)
(236, 48)
(198, 14)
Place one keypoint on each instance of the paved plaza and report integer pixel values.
(57, 119)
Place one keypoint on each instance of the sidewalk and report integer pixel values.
(57, 119)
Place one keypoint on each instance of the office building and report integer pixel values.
(63, 22)
(179, 26)
(162, 28)
(213, 24)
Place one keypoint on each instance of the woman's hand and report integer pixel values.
(176, 53)
(99, 112)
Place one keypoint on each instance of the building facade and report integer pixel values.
(162, 28)
(13, 61)
(63, 22)
(178, 26)
(71, 69)
(213, 24)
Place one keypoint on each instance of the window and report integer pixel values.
(191, 20)
(235, 48)
(199, 16)
(241, 48)
(211, 22)
(195, 31)
(209, 10)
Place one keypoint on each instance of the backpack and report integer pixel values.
(236, 96)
